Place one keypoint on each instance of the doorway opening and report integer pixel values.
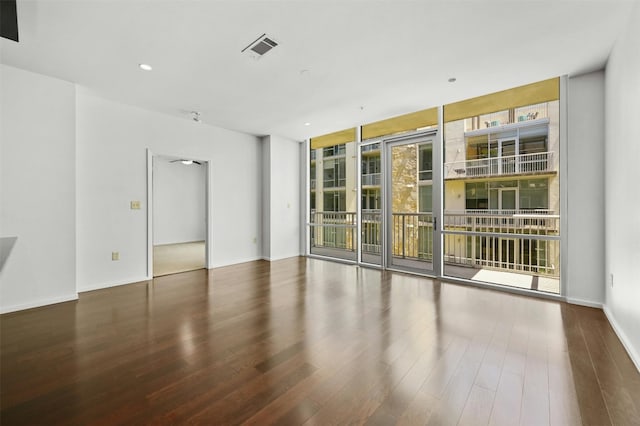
(178, 217)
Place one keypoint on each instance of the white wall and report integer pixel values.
(266, 197)
(37, 189)
(585, 189)
(281, 198)
(622, 197)
(178, 201)
(112, 142)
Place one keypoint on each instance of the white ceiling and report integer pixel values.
(364, 60)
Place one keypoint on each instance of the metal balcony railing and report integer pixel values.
(503, 240)
(540, 162)
(509, 116)
(425, 175)
(412, 235)
(334, 183)
(515, 254)
(371, 231)
(371, 148)
(371, 179)
(333, 230)
(515, 240)
(532, 222)
(484, 212)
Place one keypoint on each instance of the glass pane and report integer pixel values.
(508, 199)
(333, 201)
(411, 224)
(501, 197)
(371, 226)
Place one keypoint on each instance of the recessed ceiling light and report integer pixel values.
(307, 124)
(186, 162)
(452, 80)
(145, 67)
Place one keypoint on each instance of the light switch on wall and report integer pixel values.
(135, 205)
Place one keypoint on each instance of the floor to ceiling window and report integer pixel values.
(333, 200)
(502, 188)
(497, 178)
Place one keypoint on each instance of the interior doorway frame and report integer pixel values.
(208, 211)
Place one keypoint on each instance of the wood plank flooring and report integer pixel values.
(303, 341)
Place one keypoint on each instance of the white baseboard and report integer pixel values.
(633, 354)
(38, 303)
(286, 256)
(112, 284)
(583, 302)
(235, 262)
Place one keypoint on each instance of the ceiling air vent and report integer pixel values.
(260, 46)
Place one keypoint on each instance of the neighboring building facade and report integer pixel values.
(501, 176)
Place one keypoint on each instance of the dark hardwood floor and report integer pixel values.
(304, 341)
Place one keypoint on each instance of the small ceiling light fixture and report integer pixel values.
(186, 162)
(195, 116)
(452, 80)
(307, 124)
(145, 67)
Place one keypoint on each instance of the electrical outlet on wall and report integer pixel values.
(115, 255)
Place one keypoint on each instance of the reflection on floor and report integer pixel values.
(174, 258)
(305, 341)
(511, 279)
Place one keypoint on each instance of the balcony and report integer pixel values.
(371, 179)
(537, 163)
(530, 222)
(334, 183)
(334, 151)
(475, 241)
(510, 116)
(373, 148)
(425, 175)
